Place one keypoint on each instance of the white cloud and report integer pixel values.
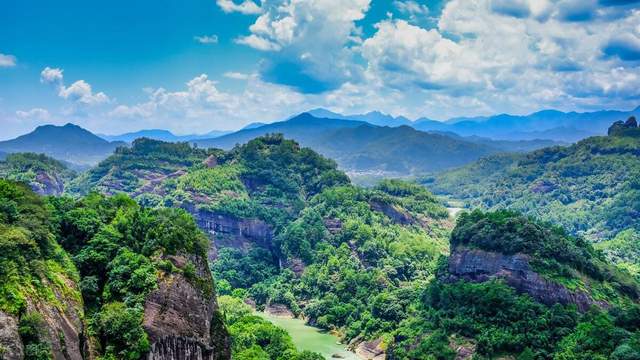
(236, 75)
(33, 114)
(51, 76)
(201, 106)
(206, 39)
(79, 92)
(7, 60)
(246, 7)
(412, 8)
(309, 43)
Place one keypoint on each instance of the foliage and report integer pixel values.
(590, 188)
(256, 338)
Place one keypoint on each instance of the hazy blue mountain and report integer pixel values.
(69, 143)
(546, 124)
(301, 128)
(253, 125)
(373, 117)
(160, 134)
(360, 147)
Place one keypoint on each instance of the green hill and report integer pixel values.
(590, 188)
(512, 288)
(45, 176)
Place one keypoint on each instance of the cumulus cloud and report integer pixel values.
(203, 106)
(246, 7)
(79, 92)
(7, 60)
(33, 114)
(309, 43)
(206, 39)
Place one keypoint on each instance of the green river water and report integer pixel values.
(310, 338)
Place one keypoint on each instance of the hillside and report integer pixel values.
(69, 143)
(45, 176)
(590, 188)
(75, 283)
(516, 288)
(283, 221)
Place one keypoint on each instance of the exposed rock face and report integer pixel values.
(334, 226)
(229, 231)
(64, 329)
(182, 318)
(10, 343)
(279, 310)
(479, 266)
(371, 350)
(626, 128)
(46, 184)
(396, 214)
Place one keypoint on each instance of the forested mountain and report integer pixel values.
(545, 124)
(359, 147)
(591, 188)
(77, 283)
(45, 176)
(69, 143)
(290, 234)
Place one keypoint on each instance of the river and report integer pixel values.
(307, 337)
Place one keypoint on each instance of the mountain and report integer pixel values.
(590, 187)
(69, 142)
(546, 124)
(301, 128)
(517, 288)
(45, 176)
(362, 148)
(374, 117)
(382, 266)
(287, 229)
(162, 135)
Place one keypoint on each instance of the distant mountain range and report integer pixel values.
(69, 142)
(360, 147)
(162, 135)
(546, 124)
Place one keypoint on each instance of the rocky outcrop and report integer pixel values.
(10, 344)
(395, 213)
(230, 231)
(278, 310)
(371, 350)
(181, 316)
(46, 184)
(479, 266)
(626, 128)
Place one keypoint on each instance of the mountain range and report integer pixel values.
(162, 135)
(545, 124)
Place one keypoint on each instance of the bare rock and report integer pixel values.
(182, 318)
(279, 310)
(211, 161)
(10, 342)
(371, 350)
(479, 266)
(395, 213)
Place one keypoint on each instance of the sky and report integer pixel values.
(201, 65)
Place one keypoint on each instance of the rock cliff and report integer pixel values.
(181, 316)
(479, 266)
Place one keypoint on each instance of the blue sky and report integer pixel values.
(200, 65)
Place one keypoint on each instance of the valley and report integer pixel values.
(389, 270)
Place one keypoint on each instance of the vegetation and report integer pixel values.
(590, 188)
(255, 338)
(120, 250)
(35, 170)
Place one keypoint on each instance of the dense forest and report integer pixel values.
(384, 268)
(591, 188)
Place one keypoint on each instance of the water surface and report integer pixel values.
(307, 337)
